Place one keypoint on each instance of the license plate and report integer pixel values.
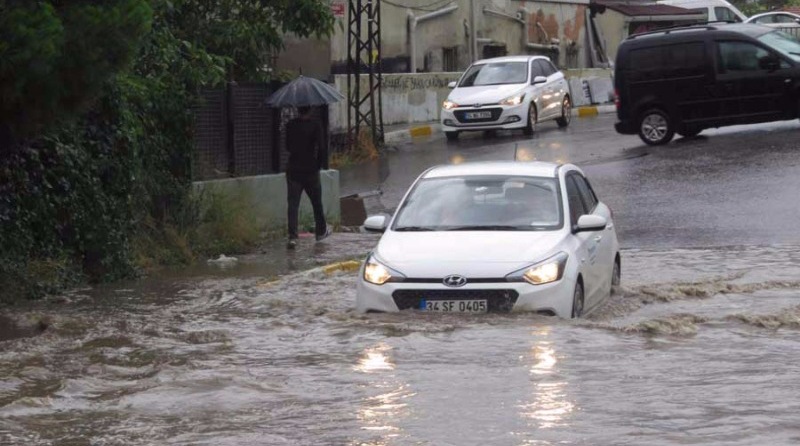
(454, 306)
(478, 115)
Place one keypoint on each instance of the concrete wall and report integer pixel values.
(415, 98)
(563, 20)
(615, 30)
(311, 56)
(407, 98)
(267, 194)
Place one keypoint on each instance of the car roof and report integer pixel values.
(520, 168)
(767, 14)
(510, 59)
(691, 31)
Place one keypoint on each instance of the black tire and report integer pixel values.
(566, 113)
(577, 301)
(533, 116)
(690, 133)
(655, 127)
(451, 136)
(616, 277)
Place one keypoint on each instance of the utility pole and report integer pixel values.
(364, 57)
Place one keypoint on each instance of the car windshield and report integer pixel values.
(497, 73)
(485, 203)
(782, 42)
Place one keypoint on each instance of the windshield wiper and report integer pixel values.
(414, 228)
(484, 228)
(795, 53)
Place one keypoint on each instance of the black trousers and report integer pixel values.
(296, 183)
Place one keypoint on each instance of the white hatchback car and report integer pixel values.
(493, 236)
(514, 92)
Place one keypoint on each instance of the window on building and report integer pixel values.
(450, 59)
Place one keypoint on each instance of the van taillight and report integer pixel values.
(616, 98)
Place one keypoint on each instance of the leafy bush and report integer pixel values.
(96, 130)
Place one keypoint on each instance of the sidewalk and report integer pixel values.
(406, 133)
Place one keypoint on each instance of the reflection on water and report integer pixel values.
(380, 413)
(550, 406)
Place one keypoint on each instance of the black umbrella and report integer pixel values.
(304, 92)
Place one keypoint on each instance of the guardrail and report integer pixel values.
(794, 30)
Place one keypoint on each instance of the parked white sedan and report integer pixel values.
(514, 92)
(493, 236)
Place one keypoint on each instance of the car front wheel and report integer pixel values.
(577, 301)
(532, 117)
(566, 113)
(655, 127)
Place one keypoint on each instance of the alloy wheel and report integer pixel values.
(655, 127)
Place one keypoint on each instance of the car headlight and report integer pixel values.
(449, 105)
(546, 271)
(513, 100)
(377, 273)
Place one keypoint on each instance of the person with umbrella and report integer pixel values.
(308, 153)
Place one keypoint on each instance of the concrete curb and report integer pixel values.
(408, 135)
(593, 110)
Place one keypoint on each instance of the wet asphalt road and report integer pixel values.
(731, 186)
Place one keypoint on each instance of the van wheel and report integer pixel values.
(566, 113)
(690, 133)
(451, 136)
(616, 277)
(655, 127)
(577, 301)
(532, 117)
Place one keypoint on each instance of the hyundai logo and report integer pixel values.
(455, 281)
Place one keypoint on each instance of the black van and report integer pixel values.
(686, 79)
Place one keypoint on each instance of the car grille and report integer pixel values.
(496, 300)
(496, 112)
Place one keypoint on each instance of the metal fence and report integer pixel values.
(236, 134)
(794, 30)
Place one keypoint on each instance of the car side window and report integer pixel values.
(544, 67)
(536, 70)
(576, 208)
(587, 194)
(726, 14)
(739, 57)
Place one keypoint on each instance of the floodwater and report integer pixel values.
(699, 347)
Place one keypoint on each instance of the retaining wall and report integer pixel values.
(267, 196)
(416, 98)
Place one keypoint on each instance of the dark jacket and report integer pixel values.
(306, 146)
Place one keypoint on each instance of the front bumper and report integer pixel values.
(509, 117)
(553, 297)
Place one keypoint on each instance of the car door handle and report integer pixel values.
(598, 238)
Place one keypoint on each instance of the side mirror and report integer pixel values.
(538, 80)
(590, 223)
(376, 223)
(770, 63)
(452, 84)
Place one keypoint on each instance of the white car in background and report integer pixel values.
(493, 236)
(777, 19)
(514, 92)
(714, 10)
